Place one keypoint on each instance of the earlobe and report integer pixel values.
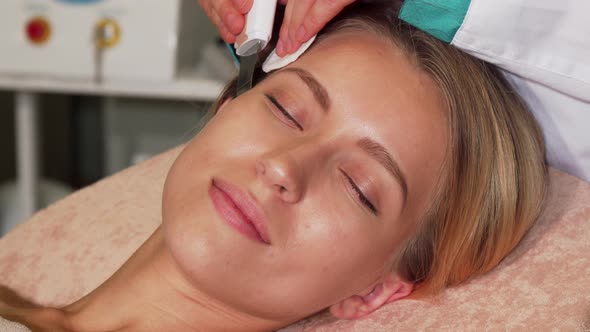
(389, 289)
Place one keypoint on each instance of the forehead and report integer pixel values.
(365, 69)
(374, 85)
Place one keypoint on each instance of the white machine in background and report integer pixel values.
(121, 40)
(164, 49)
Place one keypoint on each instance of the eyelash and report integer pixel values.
(362, 198)
(283, 111)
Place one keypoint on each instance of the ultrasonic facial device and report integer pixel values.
(255, 37)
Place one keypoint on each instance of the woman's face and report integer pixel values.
(338, 153)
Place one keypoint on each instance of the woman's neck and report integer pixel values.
(150, 293)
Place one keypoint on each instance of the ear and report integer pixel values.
(390, 288)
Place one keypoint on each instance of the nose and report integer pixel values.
(282, 173)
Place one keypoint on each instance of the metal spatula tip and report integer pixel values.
(247, 66)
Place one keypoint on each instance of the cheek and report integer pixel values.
(239, 128)
(337, 253)
(338, 236)
(182, 200)
(345, 249)
(228, 143)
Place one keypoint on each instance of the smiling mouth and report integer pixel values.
(238, 210)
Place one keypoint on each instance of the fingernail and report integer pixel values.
(301, 34)
(280, 47)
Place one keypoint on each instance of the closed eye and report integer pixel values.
(361, 197)
(283, 111)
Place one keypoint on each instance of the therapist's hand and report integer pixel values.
(305, 18)
(228, 15)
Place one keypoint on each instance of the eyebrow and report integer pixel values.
(317, 89)
(380, 154)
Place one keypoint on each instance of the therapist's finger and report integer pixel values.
(243, 6)
(232, 19)
(283, 43)
(223, 13)
(224, 32)
(207, 8)
(299, 11)
(320, 13)
(226, 35)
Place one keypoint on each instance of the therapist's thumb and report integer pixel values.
(318, 16)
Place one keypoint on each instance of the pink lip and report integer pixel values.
(239, 209)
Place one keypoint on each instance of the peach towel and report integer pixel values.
(68, 249)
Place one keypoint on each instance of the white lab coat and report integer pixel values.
(544, 48)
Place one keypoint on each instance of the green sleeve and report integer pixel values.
(440, 18)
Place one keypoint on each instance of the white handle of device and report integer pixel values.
(258, 27)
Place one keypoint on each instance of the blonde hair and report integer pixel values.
(494, 178)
